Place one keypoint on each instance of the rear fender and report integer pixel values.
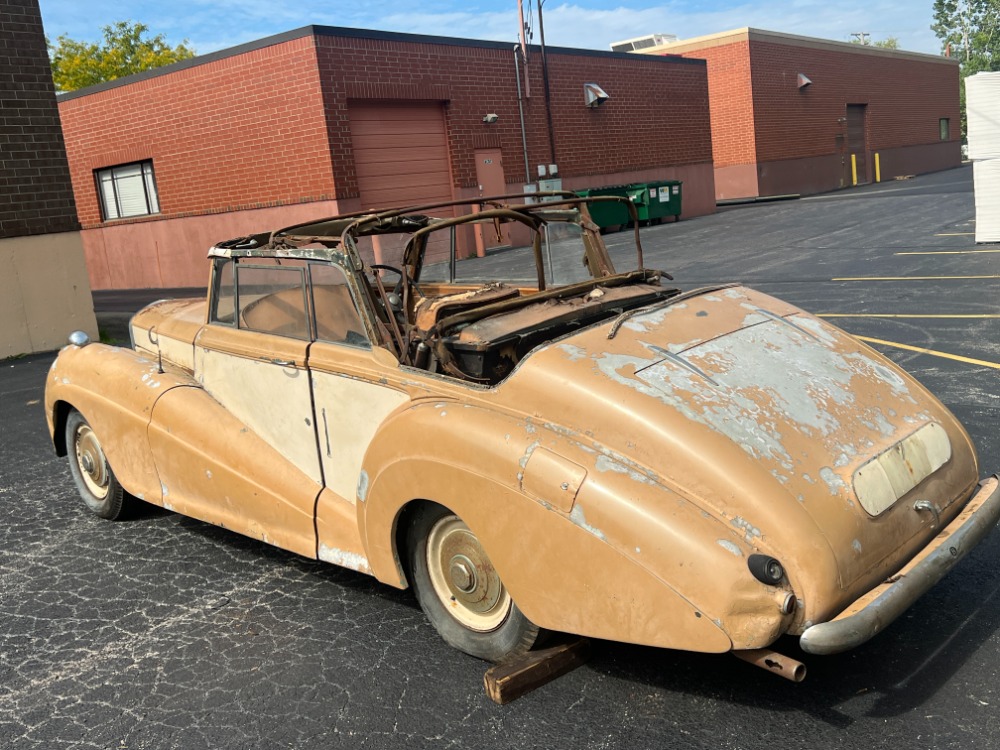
(562, 575)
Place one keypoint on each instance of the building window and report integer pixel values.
(128, 190)
(944, 125)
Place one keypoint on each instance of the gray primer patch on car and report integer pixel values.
(749, 530)
(578, 517)
(729, 546)
(575, 353)
(344, 559)
(832, 479)
(362, 486)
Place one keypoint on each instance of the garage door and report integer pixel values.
(401, 159)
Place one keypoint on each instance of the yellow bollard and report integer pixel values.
(878, 174)
(854, 169)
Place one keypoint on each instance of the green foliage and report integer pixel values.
(889, 42)
(970, 29)
(125, 49)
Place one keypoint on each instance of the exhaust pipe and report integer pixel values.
(774, 663)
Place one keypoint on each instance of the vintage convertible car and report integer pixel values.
(613, 457)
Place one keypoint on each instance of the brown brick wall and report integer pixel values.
(731, 102)
(245, 131)
(657, 114)
(35, 192)
(905, 98)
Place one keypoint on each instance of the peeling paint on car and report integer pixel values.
(575, 353)
(352, 560)
(730, 547)
(578, 517)
(605, 463)
(833, 480)
(749, 530)
(527, 454)
(362, 486)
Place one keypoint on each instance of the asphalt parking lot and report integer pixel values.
(163, 632)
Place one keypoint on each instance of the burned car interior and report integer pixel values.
(476, 332)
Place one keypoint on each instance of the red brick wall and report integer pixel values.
(657, 114)
(245, 131)
(731, 102)
(905, 98)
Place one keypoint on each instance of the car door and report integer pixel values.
(352, 399)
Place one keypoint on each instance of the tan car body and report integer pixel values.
(619, 477)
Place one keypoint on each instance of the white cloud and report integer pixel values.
(215, 24)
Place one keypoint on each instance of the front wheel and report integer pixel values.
(460, 591)
(97, 483)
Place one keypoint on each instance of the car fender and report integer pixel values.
(115, 390)
(562, 575)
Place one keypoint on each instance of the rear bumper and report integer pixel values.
(874, 611)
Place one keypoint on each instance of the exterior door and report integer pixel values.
(489, 175)
(401, 159)
(856, 143)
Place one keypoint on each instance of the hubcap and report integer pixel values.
(90, 459)
(463, 576)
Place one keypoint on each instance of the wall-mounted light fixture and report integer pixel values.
(491, 118)
(594, 95)
(803, 81)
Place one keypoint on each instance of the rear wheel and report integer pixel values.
(460, 591)
(97, 483)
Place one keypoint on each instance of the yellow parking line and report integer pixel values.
(912, 278)
(899, 315)
(947, 252)
(954, 234)
(932, 352)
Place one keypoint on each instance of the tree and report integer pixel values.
(126, 49)
(890, 42)
(970, 30)
(864, 38)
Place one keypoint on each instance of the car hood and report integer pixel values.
(766, 417)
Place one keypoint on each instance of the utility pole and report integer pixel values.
(545, 81)
(863, 37)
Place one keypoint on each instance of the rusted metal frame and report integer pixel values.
(417, 247)
(397, 335)
(361, 288)
(961, 536)
(673, 300)
(562, 292)
(536, 248)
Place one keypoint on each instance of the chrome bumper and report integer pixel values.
(874, 611)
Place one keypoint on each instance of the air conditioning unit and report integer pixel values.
(643, 42)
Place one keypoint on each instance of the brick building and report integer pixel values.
(774, 134)
(321, 120)
(44, 293)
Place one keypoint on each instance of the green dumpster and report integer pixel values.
(607, 213)
(656, 200)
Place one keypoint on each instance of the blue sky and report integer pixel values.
(215, 24)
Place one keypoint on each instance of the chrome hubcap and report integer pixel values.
(463, 577)
(90, 459)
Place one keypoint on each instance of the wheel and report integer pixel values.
(97, 483)
(460, 591)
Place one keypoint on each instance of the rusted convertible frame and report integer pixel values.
(364, 220)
